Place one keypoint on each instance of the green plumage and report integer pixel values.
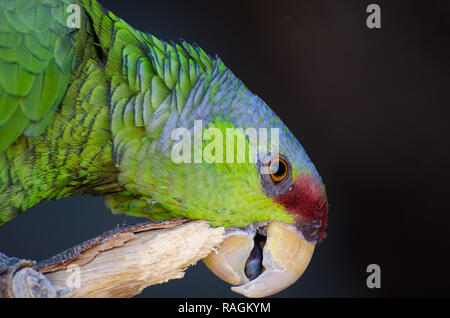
(84, 111)
(36, 59)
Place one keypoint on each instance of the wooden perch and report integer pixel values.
(119, 263)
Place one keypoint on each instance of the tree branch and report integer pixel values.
(118, 263)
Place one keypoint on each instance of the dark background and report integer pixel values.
(371, 107)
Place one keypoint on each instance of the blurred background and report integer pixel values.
(371, 108)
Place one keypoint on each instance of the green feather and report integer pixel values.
(12, 128)
(36, 58)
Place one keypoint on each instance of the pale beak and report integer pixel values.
(285, 257)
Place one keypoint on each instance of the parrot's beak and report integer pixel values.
(239, 261)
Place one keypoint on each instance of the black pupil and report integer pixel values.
(281, 169)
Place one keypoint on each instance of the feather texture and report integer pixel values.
(36, 59)
(92, 110)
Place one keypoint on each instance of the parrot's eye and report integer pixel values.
(275, 175)
(278, 168)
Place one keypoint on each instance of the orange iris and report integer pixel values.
(279, 174)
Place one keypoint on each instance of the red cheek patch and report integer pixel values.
(307, 201)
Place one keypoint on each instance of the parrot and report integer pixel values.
(89, 105)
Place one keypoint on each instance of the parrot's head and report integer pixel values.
(228, 159)
(285, 204)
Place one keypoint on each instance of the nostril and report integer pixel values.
(253, 266)
(311, 230)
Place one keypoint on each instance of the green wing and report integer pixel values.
(36, 59)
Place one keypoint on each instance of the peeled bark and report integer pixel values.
(119, 263)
